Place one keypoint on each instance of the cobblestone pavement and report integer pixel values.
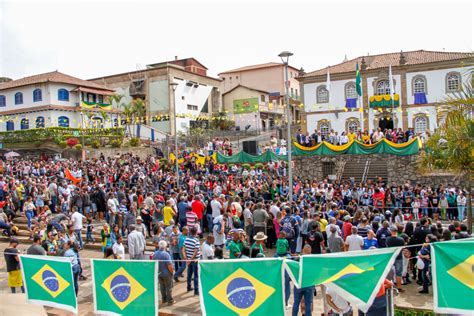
(186, 303)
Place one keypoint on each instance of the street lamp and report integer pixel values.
(173, 86)
(285, 56)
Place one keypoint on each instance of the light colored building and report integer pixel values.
(53, 99)
(267, 83)
(197, 95)
(422, 80)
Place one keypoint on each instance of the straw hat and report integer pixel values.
(260, 236)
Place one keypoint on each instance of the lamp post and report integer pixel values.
(173, 86)
(285, 56)
(83, 153)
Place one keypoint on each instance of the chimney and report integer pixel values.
(363, 65)
(175, 57)
(402, 60)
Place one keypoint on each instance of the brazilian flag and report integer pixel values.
(49, 282)
(241, 287)
(125, 287)
(453, 277)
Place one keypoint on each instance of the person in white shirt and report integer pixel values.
(216, 207)
(461, 202)
(337, 303)
(354, 241)
(207, 248)
(112, 208)
(76, 219)
(136, 244)
(220, 223)
(118, 248)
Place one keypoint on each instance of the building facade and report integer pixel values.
(196, 97)
(421, 81)
(54, 99)
(267, 83)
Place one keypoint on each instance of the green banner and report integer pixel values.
(384, 101)
(246, 106)
(49, 281)
(241, 287)
(357, 275)
(453, 277)
(125, 287)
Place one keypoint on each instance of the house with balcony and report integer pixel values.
(54, 99)
(266, 82)
(421, 81)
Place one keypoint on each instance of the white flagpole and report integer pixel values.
(392, 93)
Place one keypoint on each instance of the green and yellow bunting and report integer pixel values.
(125, 287)
(453, 277)
(49, 281)
(241, 287)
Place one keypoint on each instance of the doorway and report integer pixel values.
(386, 123)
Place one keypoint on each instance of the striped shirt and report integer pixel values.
(191, 244)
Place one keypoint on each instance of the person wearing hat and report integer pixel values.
(13, 266)
(139, 226)
(259, 241)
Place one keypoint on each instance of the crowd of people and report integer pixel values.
(215, 213)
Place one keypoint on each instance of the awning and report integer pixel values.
(96, 91)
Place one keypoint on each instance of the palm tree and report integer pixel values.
(138, 110)
(452, 146)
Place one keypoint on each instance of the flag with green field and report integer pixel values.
(453, 277)
(49, 281)
(241, 287)
(125, 287)
(355, 275)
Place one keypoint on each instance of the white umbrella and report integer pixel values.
(11, 154)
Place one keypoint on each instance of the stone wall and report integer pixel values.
(142, 152)
(399, 168)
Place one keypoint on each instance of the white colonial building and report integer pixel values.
(54, 99)
(421, 79)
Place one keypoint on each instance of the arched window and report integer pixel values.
(353, 126)
(350, 90)
(37, 95)
(382, 88)
(421, 124)
(115, 122)
(262, 98)
(63, 121)
(322, 94)
(63, 95)
(24, 123)
(3, 100)
(419, 84)
(10, 125)
(18, 98)
(453, 82)
(40, 122)
(97, 122)
(324, 128)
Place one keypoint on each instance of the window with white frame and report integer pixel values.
(419, 85)
(453, 82)
(421, 124)
(322, 94)
(351, 92)
(382, 88)
(324, 128)
(353, 126)
(192, 107)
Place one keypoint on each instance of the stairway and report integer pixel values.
(24, 234)
(354, 168)
(378, 168)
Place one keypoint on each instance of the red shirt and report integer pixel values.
(198, 208)
(346, 229)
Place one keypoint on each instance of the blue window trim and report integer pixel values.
(63, 95)
(24, 124)
(3, 100)
(10, 125)
(40, 122)
(63, 121)
(37, 95)
(18, 98)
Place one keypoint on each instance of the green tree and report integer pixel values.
(451, 148)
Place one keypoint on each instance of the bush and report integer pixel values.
(95, 143)
(135, 142)
(71, 142)
(63, 144)
(78, 146)
(246, 166)
(259, 165)
(116, 143)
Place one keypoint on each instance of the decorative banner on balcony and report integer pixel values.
(453, 278)
(420, 98)
(384, 100)
(243, 157)
(94, 105)
(125, 287)
(246, 106)
(241, 287)
(351, 103)
(200, 160)
(49, 281)
(356, 276)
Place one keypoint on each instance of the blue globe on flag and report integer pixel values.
(50, 280)
(120, 288)
(241, 293)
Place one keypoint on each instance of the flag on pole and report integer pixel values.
(390, 82)
(125, 287)
(328, 86)
(357, 276)
(453, 277)
(49, 281)
(241, 287)
(358, 81)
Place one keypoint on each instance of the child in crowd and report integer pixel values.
(282, 245)
(416, 208)
(89, 230)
